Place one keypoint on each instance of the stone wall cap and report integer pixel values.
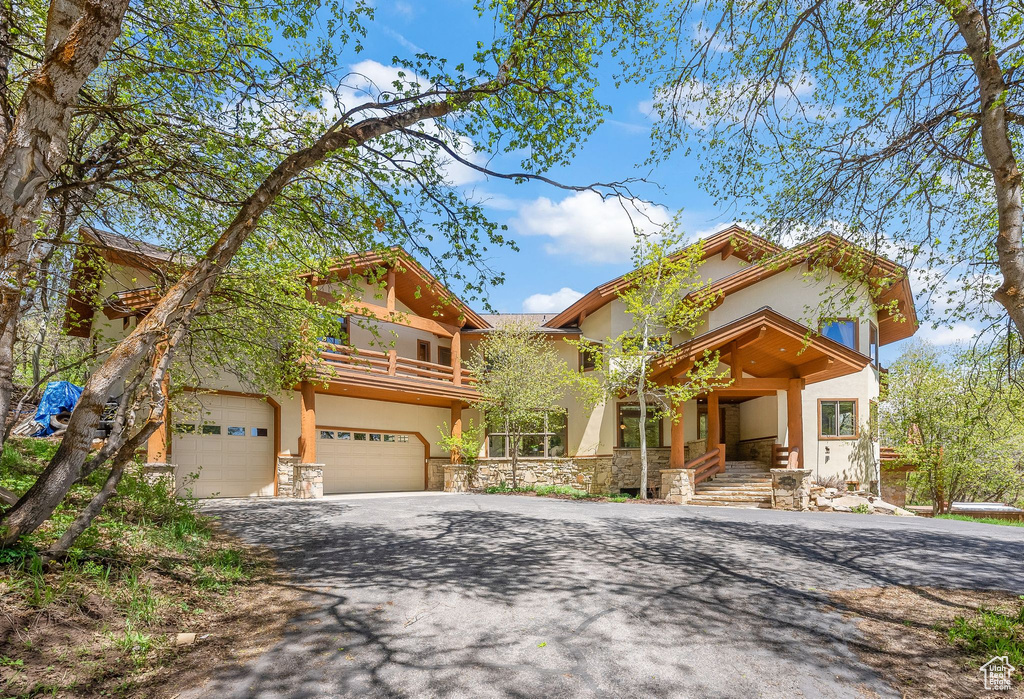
(311, 465)
(674, 470)
(790, 470)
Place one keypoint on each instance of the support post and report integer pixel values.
(457, 357)
(456, 426)
(156, 445)
(714, 429)
(391, 290)
(795, 420)
(307, 426)
(677, 455)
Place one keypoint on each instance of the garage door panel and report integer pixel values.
(392, 463)
(236, 462)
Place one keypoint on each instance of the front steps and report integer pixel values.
(743, 484)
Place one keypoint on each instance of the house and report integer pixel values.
(801, 396)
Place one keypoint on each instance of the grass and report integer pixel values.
(150, 566)
(557, 491)
(982, 520)
(991, 632)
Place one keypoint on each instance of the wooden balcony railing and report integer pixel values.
(785, 457)
(708, 464)
(344, 358)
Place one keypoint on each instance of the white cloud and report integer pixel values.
(948, 335)
(588, 228)
(551, 303)
(371, 81)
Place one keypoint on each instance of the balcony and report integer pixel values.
(376, 374)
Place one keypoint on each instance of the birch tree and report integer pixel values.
(662, 300)
(898, 125)
(530, 89)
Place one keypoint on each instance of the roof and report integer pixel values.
(767, 344)
(890, 279)
(124, 250)
(533, 321)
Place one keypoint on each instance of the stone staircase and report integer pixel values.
(742, 484)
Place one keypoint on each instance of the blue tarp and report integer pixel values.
(59, 397)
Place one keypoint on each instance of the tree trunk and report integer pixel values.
(998, 148)
(184, 301)
(513, 443)
(642, 397)
(7, 338)
(60, 548)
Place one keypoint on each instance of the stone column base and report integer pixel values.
(160, 474)
(677, 485)
(457, 478)
(791, 488)
(298, 480)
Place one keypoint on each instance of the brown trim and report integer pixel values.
(875, 360)
(618, 427)
(856, 419)
(426, 444)
(241, 394)
(423, 347)
(844, 319)
(442, 347)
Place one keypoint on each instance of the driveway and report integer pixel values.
(489, 595)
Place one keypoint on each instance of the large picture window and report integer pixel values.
(340, 334)
(837, 419)
(550, 442)
(843, 331)
(629, 427)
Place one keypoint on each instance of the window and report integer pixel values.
(236, 432)
(444, 356)
(340, 334)
(629, 427)
(843, 331)
(702, 421)
(389, 438)
(423, 350)
(326, 434)
(211, 429)
(550, 442)
(259, 432)
(873, 343)
(588, 357)
(345, 435)
(360, 436)
(837, 419)
(185, 428)
(374, 437)
(403, 438)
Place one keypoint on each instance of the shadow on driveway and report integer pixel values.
(521, 597)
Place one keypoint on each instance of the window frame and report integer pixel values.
(422, 347)
(873, 346)
(619, 430)
(440, 359)
(587, 359)
(546, 434)
(856, 419)
(834, 321)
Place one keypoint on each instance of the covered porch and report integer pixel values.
(767, 355)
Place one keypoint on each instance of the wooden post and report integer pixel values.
(714, 429)
(677, 455)
(391, 289)
(392, 361)
(457, 357)
(456, 428)
(307, 426)
(156, 446)
(795, 420)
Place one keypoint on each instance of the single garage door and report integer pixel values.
(357, 461)
(232, 448)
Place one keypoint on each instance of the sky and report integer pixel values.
(569, 242)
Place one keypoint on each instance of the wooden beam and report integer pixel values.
(795, 420)
(457, 358)
(456, 428)
(815, 366)
(756, 384)
(714, 429)
(391, 290)
(727, 251)
(677, 454)
(307, 424)
(750, 337)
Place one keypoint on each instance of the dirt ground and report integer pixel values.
(905, 638)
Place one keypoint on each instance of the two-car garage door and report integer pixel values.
(366, 461)
(231, 448)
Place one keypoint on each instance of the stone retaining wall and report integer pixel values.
(626, 468)
(435, 472)
(677, 485)
(756, 450)
(791, 488)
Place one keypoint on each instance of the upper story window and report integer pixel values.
(340, 333)
(873, 344)
(444, 356)
(588, 357)
(842, 330)
(422, 351)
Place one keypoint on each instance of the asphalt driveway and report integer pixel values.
(477, 595)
